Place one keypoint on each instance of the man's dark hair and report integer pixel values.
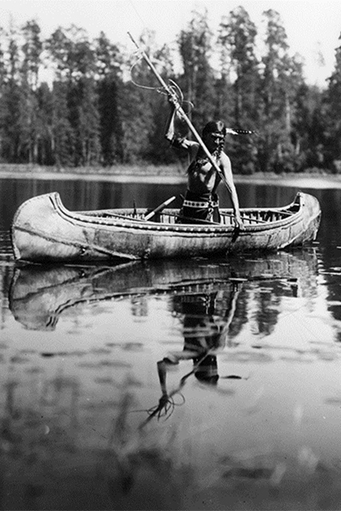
(214, 127)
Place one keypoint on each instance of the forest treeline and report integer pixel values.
(99, 104)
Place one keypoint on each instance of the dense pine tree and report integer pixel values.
(333, 111)
(238, 60)
(195, 47)
(100, 105)
(109, 72)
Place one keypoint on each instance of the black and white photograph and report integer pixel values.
(170, 255)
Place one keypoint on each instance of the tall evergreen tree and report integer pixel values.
(3, 95)
(309, 129)
(11, 96)
(109, 70)
(237, 37)
(136, 104)
(158, 150)
(44, 114)
(282, 76)
(62, 133)
(75, 61)
(195, 46)
(31, 49)
(333, 111)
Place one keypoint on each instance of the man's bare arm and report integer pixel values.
(170, 131)
(176, 141)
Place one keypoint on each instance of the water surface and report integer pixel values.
(199, 384)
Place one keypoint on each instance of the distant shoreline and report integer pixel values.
(162, 175)
(314, 181)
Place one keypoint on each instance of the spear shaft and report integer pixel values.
(180, 111)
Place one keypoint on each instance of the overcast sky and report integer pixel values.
(312, 27)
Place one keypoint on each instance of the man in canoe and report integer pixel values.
(201, 200)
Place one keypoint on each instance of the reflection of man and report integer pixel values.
(202, 335)
(205, 332)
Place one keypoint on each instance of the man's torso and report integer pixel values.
(202, 176)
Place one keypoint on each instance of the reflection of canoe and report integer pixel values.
(44, 230)
(40, 294)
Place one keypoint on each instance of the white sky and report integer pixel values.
(311, 26)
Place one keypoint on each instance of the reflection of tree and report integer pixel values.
(24, 428)
(329, 251)
(266, 314)
(5, 280)
(139, 306)
(240, 317)
(264, 299)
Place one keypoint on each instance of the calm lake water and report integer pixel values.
(200, 384)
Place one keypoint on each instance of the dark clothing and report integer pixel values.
(200, 207)
(207, 369)
(204, 334)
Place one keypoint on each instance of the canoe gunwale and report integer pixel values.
(184, 229)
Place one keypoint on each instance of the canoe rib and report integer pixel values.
(44, 230)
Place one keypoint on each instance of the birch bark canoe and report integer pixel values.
(44, 230)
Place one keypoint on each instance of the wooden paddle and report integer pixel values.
(158, 209)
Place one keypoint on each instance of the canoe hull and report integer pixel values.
(43, 230)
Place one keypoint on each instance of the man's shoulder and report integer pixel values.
(224, 157)
(224, 154)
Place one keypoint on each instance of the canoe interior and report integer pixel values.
(250, 216)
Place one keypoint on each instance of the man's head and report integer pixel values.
(214, 134)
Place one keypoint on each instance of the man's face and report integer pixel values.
(214, 140)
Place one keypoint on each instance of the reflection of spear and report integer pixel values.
(166, 404)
